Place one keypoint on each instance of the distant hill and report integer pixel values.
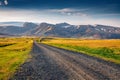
(63, 30)
(11, 24)
(5, 35)
(16, 30)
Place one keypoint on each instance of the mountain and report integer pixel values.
(40, 30)
(64, 25)
(64, 30)
(84, 31)
(16, 30)
(11, 24)
(5, 35)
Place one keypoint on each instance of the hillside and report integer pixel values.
(63, 30)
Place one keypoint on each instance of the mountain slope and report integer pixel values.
(63, 30)
(88, 31)
(40, 29)
(16, 30)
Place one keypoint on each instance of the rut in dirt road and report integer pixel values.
(50, 63)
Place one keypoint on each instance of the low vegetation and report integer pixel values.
(106, 49)
(13, 52)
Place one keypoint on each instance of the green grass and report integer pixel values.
(109, 52)
(13, 52)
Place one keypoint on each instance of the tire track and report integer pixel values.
(51, 63)
(100, 68)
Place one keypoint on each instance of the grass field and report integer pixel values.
(13, 52)
(106, 49)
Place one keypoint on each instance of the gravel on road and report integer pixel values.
(51, 63)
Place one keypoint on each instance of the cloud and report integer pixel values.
(54, 16)
(111, 14)
(0, 3)
(70, 12)
(6, 2)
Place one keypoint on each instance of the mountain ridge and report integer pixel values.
(63, 30)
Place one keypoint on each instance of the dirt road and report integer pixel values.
(50, 63)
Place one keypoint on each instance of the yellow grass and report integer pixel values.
(105, 49)
(13, 55)
(89, 43)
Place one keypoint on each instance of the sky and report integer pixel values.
(77, 12)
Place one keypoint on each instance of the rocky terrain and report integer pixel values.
(63, 30)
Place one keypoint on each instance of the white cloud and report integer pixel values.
(61, 10)
(70, 12)
(6, 2)
(51, 16)
(0, 3)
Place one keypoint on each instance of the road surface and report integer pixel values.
(50, 63)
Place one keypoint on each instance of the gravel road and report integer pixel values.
(50, 63)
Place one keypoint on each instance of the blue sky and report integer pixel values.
(106, 12)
